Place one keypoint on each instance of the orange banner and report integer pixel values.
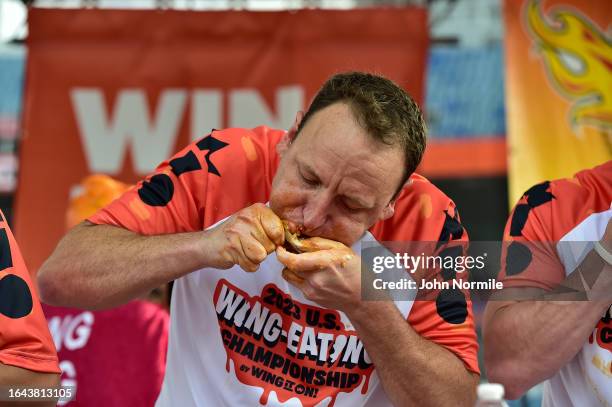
(118, 91)
(559, 89)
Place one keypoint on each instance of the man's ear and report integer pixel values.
(299, 116)
(287, 139)
(388, 211)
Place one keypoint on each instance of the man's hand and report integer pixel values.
(329, 274)
(245, 239)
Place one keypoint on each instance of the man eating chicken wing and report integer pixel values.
(254, 323)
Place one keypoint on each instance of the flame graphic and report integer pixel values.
(578, 60)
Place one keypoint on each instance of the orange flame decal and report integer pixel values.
(578, 60)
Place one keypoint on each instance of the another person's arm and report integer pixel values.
(518, 335)
(27, 355)
(527, 319)
(524, 334)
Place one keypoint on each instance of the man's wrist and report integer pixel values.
(202, 249)
(370, 310)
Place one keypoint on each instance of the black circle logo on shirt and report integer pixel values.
(15, 297)
(518, 257)
(452, 306)
(157, 191)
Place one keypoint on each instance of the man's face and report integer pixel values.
(335, 179)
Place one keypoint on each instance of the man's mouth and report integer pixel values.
(293, 240)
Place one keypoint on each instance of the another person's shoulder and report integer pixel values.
(552, 209)
(595, 184)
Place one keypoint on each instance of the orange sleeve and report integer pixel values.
(529, 257)
(167, 201)
(539, 230)
(425, 215)
(448, 322)
(202, 184)
(25, 340)
(445, 316)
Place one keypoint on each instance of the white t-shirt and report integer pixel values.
(240, 338)
(587, 379)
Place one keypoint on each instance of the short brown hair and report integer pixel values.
(382, 108)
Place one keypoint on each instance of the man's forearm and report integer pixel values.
(413, 370)
(99, 266)
(518, 336)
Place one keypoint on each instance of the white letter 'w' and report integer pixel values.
(106, 137)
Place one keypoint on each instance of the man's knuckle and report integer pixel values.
(233, 230)
(269, 247)
(260, 256)
(315, 283)
(245, 217)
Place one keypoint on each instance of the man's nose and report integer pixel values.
(316, 211)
